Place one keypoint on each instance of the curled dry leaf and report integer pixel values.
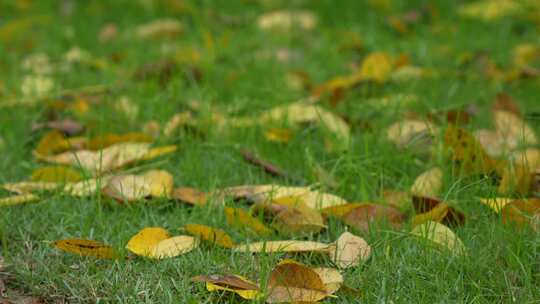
(86, 248)
(287, 20)
(241, 219)
(210, 234)
(129, 188)
(291, 281)
(157, 243)
(18, 199)
(407, 132)
(365, 215)
(350, 250)
(428, 183)
(55, 174)
(161, 28)
(190, 195)
(441, 235)
(266, 193)
(522, 213)
(234, 283)
(283, 246)
(432, 209)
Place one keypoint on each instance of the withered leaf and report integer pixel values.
(365, 215)
(234, 283)
(86, 248)
(291, 281)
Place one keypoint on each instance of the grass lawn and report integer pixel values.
(227, 65)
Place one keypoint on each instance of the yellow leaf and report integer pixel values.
(210, 234)
(51, 143)
(190, 195)
(513, 129)
(515, 179)
(86, 248)
(158, 151)
(428, 183)
(292, 216)
(287, 20)
(154, 183)
(340, 210)
(86, 187)
(350, 250)
(467, 152)
(406, 132)
(377, 67)
(174, 246)
(157, 243)
(497, 203)
(522, 213)
(55, 174)
(279, 135)
(18, 199)
(436, 214)
(489, 10)
(441, 235)
(283, 246)
(107, 140)
(158, 29)
(293, 282)
(27, 187)
(242, 220)
(233, 283)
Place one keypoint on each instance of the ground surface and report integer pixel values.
(240, 76)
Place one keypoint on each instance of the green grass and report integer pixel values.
(502, 266)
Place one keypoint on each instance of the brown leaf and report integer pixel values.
(504, 102)
(522, 213)
(66, 126)
(293, 282)
(363, 216)
(190, 195)
(235, 283)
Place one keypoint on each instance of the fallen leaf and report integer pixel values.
(440, 235)
(234, 283)
(265, 165)
(377, 67)
(157, 243)
(291, 281)
(36, 86)
(331, 278)
(28, 187)
(428, 183)
(283, 246)
(433, 209)
(158, 29)
(513, 129)
(266, 193)
(365, 215)
(515, 179)
(210, 234)
(183, 119)
(497, 203)
(18, 199)
(52, 142)
(66, 126)
(287, 20)
(340, 210)
(241, 219)
(279, 135)
(528, 159)
(522, 213)
(350, 250)
(408, 132)
(86, 187)
(489, 10)
(107, 140)
(467, 152)
(86, 248)
(398, 199)
(129, 188)
(55, 174)
(108, 32)
(190, 195)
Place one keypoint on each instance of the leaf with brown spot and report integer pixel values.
(234, 283)
(241, 219)
(86, 248)
(291, 281)
(210, 234)
(190, 195)
(364, 216)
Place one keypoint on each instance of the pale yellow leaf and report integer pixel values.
(18, 199)
(428, 183)
(440, 235)
(283, 246)
(350, 250)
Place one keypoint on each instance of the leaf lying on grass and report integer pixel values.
(496, 203)
(243, 220)
(191, 196)
(433, 209)
(291, 281)
(55, 174)
(363, 216)
(210, 234)
(284, 246)
(349, 250)
(428, 183)
(287, 20)
(440, 235)
(18, 199)
(86, 248)
(157, 243)
(233, 283)
(129, 188)
(522, 213)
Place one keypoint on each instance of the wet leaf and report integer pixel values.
(284, 246)
(440, 235)
(210, 234)
(86, 248)
(242, 220)
(234, 283)
(190, 195)
(290, 281)
(365, 215)
(350, 250)
(55, 174)
(18, 199)
(428, 183)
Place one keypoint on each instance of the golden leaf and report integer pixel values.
(18, 199)
(190, 195)
(331, 278)
(290, 281)
(428, 183)
(210, 234)
(441, 235)
(377, 67)
(497, 203)
(86, 248)
(243, 220)
(55, 174)
(157, 243)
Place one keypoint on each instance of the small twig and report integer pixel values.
(266, 166)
